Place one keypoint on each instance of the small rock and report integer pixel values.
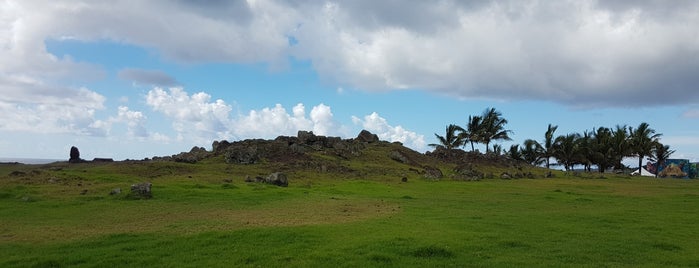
(404, 179)
(505, 176)
(115, 191)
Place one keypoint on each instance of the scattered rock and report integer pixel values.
(142, 190)
(366, 136)
(505, 176)
(467, 172)
(115, 191)
(17, 173)
(404, 179)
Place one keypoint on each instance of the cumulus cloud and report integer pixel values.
(582, 53)
(379, 125)
(199, 118)
(27, 104)
(147, 77)
(135, 122)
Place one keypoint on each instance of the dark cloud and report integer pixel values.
(233, 10)
(147, 77)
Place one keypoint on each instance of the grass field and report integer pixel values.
(63, 216)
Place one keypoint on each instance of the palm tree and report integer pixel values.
(493, 127)
(643, 140)
(585, 150)
(602, 153)
(565, 149)
(497, 149)
(473, 131)
(532, 152)
(660, 154)
(548, 149)
(451, 139)
(515, 153)
(620, 146)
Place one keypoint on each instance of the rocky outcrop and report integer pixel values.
(194, 155)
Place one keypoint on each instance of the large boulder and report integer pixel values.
(398, 156)
(433, 173)
(306, 137)
(278, 179)
(366, 136)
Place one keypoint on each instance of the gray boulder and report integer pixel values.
(141, 190)
(398, 156)
(115, 191)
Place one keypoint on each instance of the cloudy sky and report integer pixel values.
(134, 79)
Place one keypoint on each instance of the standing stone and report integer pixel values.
(74, 155)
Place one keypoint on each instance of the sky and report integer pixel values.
(136, 79)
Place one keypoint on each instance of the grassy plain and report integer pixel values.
(63, 216)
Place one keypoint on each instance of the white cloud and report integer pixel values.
(28, 104)
(582, 53)
(135, 122)
(193, 115)
(379, 125)
(202, 120)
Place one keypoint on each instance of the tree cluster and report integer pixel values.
(602, 147)
(484, 128)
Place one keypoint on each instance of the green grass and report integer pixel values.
(197, 218)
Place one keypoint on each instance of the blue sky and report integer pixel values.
(133, 80)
